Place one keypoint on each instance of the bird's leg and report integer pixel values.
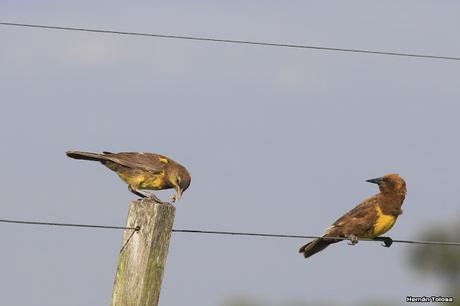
(353, 239)
(146, 195)
(387, 241)
(137, 192)
(155, 198)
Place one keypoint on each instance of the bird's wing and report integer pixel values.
(358, 221)
(150, 162)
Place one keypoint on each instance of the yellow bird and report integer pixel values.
(370, 219)
(143, 171)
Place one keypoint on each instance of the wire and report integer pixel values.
(129, 238)
(231, 41)
(137, 229)
(312, 237)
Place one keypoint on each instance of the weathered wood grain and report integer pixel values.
(142, 260)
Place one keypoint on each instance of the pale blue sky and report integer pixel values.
(277, 140)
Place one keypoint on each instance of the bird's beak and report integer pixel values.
(375, 181)
(178, 193)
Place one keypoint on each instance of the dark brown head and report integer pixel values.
(390, 183)
(180, 179)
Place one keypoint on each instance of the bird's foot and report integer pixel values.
(156, 199)
(387, 241)
(173, 199)
(147, 195)
(353, 239)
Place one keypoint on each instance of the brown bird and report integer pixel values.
(370, 219)
(143, 171)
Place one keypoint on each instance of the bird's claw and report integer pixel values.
(173, 198)
(387, 241)
(353, 239)
(153, 197)
(156, 200)
(144, 195)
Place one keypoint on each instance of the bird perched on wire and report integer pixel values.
(143, 171)
(370, 219)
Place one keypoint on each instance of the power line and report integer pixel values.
(137, 228)
(69, 224)
(313, 237)
(231, 41)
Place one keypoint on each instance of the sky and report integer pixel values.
(277, 140)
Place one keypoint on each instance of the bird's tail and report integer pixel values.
(86, 155)
(315, 246)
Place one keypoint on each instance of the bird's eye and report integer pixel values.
(388, 181)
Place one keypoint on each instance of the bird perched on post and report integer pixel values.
(370, 219)
(143, 171)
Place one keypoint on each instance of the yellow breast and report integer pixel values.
(144, 180)
(153, 183)
(383, 223)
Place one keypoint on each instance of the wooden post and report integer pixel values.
(143, 256)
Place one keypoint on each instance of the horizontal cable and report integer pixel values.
(310, 237)
(137, 228)
(70, 225)
(232, 41)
